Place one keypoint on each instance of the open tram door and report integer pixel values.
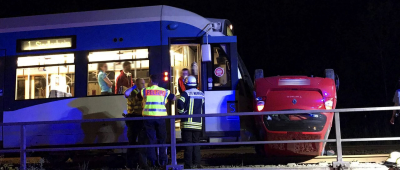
(217, 76)
(183, 56)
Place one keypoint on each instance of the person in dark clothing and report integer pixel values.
(124, 80)
(155, 98)
(181, 85)
(191, 102)
(396, 101)
(135, 128)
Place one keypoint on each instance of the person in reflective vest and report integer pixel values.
(190, 103)
(135, 137)
(155, 98)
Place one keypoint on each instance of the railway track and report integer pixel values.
(246, 156)
(240, 157)
(377, 158)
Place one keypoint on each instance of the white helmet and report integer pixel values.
(191, 81)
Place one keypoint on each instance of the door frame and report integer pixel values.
(203, 70)
(2, 69)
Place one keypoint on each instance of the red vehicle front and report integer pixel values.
(294, 93)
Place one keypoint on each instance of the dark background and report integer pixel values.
(357, 38)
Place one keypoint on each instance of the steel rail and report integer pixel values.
(206, 115)
(173, 145)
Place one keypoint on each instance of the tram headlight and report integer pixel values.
(329, 103)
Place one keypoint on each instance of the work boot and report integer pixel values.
(153, 164)
(163, 163)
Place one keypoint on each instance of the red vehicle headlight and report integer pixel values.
(260, 105)
(329, 103)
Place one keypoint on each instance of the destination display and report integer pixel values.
(46, 44)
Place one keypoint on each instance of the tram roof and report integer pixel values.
(104, 17)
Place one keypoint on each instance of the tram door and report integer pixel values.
(2, 68)
(183, 56)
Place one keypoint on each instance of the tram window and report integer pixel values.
(47, 76)
(221, 68)
(114, 62)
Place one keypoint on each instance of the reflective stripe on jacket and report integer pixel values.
(191, 102)
(155, 99)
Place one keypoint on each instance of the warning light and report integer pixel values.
(166, 76)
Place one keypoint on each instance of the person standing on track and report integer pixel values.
(191, 103)
(134, 109)
(396, 101)
(155, 98)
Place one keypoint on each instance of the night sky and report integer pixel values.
(359, 39)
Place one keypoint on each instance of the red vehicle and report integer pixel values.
(295, 93)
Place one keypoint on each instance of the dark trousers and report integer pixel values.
(135, 137)
(156, 134)
(192, 153)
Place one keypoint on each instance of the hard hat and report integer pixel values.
(395, 155)
(191, 81)
(393, 158)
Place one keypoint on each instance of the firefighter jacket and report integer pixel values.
(190, 103)
(181, 85)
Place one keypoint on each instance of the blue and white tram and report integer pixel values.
(48, 68)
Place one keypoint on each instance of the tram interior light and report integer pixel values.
(118, 55)
(46, 60)
(231, 27)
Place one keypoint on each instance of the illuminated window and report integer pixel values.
(221, 68)
(106, 74)
(184, 57)
(47, 76)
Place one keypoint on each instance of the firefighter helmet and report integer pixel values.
(191, 81)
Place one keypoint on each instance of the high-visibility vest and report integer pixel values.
(155, 99)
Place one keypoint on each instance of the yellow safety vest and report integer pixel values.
(155, 99)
